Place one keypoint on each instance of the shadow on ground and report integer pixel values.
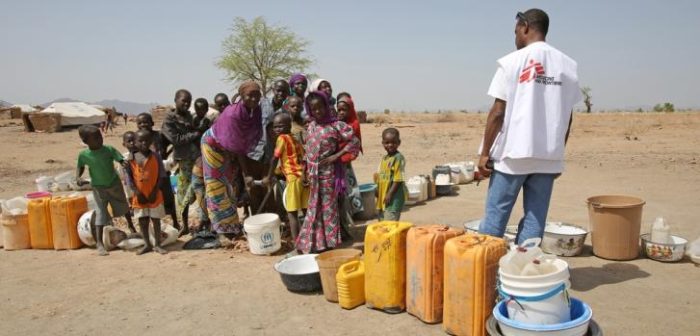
(586, 278)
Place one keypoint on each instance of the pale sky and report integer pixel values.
(401, 55)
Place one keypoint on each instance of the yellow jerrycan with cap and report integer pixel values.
(350, 281)
(471, 268)
(385, 266)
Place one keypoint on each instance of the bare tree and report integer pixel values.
(587, 98)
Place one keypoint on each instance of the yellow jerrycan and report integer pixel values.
(65, 213)
(385, 266)
(350, 281)
(424, 270)
(471, 268)
(39, 217)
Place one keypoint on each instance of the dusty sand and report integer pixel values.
(652, 156)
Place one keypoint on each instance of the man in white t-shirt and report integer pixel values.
(535, 89)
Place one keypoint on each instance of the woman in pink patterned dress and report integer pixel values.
(326, 174)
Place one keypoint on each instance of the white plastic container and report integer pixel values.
(660, 231)
(417, 189)
(551, 310)
(263, 233)
(15, 206)
(43, 183)
(84, 232)
(518, 256)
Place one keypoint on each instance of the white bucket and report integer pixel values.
(520, 289)
(43, 183)
(263, 233)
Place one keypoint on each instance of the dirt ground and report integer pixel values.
(223, 292)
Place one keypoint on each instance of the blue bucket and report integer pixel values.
(367, 187)
(581, 315)
(173, 183)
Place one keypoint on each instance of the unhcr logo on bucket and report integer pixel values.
(266, 239)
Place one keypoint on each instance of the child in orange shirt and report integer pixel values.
(290, 155)
(146, 169)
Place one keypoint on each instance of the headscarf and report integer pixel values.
(352, 118)
(296, 78)
(237, 129)
(329, 117)
(316, 86)
(248, 87)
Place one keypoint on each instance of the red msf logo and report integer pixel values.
(531, 72)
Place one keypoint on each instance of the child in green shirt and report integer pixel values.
(106, 185)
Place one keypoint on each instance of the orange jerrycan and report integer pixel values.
(385, 266)
(350, 281)
(424, 270)
(15, 231)
(39, 216)
(65, 213)
(471, 266)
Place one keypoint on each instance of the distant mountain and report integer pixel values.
(60, 100)
(124, 106)
(121, 106)
(5, 104)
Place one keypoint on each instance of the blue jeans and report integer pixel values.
(502, 194)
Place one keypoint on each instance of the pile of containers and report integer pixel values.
(42, 223)
(533, 288)
(440, 274)
(436, 273)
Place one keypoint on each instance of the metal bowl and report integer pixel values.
(472, 226)
(563, 239)
(669, 252)
(300, 273)
(494, 330)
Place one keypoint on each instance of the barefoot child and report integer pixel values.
(290, 155)
(390, 181)
(178, 127)
(106, 186)
(129, 142)
(144, 121)
(146, 169)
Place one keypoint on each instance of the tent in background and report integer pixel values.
(76, 114)
(25, 107)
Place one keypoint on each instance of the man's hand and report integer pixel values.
(485, 166)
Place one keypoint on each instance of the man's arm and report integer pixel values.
(494, 123)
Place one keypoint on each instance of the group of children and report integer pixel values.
(314, 140)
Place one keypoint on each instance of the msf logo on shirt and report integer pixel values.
(535, 71)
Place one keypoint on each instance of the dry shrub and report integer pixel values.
(379, 119)
(445, 117)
